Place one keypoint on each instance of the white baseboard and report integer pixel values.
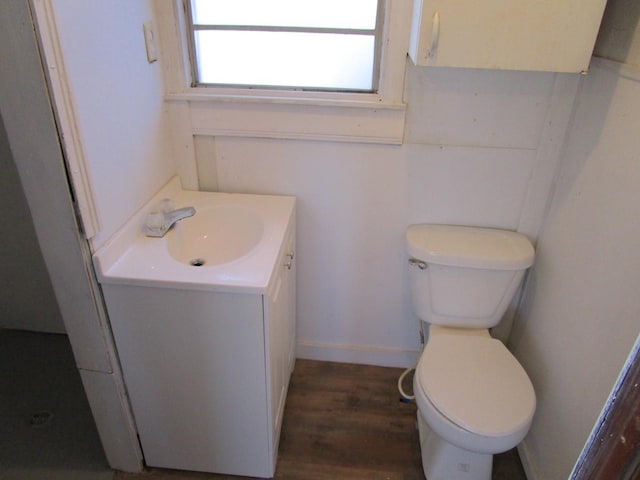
(527, 463)
(380, 356)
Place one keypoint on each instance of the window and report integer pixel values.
(292, 44)
(251, 96)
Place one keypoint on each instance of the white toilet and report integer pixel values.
(474, 398)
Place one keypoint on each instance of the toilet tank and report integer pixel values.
(465, 276)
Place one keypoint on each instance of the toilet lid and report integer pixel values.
(477, 384)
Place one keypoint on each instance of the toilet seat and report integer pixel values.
(476, 385)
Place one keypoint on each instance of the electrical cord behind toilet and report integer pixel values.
(404, 396)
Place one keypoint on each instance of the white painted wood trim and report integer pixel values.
(174, 51)
(206, 162)
(365, 355)
(394, 59)
(283, 97)
(328, 116)
(66, 116)
(290, 121)
(527, 463)
(184, 152)
(110, 407)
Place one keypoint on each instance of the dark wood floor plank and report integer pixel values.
(344, 422)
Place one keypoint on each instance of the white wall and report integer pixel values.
(581, 311)
(118, 102)
(471, 156)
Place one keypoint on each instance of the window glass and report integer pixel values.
(286, 59)
(316, 45)
(352, 14)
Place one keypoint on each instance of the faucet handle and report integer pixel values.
(155, 220)
(154, 224)
(167, 205)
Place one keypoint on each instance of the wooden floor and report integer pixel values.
(345, 422)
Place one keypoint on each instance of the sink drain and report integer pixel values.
(197, 262)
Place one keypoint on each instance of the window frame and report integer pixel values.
(376, 117)
(192, 28)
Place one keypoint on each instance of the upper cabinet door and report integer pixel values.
(545, 35)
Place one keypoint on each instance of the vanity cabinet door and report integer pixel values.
(280, 324)
(277, 347)
(546, 35)
(194, 366)
(289, 286)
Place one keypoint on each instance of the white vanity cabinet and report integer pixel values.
(207, 372)
(546, 35)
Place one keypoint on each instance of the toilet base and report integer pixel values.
(444, 461)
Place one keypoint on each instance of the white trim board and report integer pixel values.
(527, 463)
(364, 355)
(288, 121)
(63, 103)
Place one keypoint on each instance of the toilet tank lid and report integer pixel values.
(471, 247)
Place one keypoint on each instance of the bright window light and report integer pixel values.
(315, 45)
(353, 14)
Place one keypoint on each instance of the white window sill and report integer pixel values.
(363, 118)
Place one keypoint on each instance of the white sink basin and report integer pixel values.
(231, 244)
(215, 235)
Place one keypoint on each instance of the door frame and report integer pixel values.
(32, 130)
(613, 449)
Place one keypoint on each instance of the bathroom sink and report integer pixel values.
(231, 244)
(215, 235)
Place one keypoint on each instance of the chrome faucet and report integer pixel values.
(158, 223)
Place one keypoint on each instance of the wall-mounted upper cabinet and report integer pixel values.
(545, 35)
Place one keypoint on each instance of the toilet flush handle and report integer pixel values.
(414, 262)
